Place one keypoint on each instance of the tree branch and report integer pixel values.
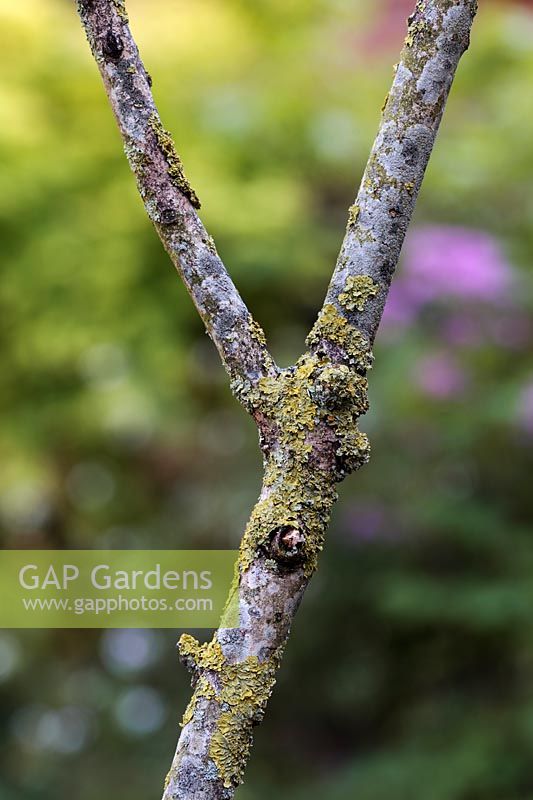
(168, 197)
(307, 414)
(439, 33)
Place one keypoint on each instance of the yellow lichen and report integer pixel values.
(203, 689)
(244, 693)
(120, 5)
(317, 400)
(241, 690)
(175, 165)
(416, 27)
(297, 493)
(338, 386)
(204, 656)
(313, 407)
(358, 289)
(353, 215)
(257, 332)
(314, 399)
(331, 326)
(207, 657)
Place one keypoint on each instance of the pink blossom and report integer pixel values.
(440, 376)
(448, 263)
(456, 262)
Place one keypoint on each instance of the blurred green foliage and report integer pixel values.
(409, 673)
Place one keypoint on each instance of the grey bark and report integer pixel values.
(306, 415)
(169, 199)
(439, 33)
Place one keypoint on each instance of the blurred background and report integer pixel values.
(409, 673)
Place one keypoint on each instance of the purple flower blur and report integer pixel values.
(365, 521)
(440, 376)
(443, 263)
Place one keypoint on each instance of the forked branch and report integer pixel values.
(307, 415)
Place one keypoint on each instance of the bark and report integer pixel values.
(168, 197)
(306, 415)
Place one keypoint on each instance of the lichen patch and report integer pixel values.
(175, 166)
(358, 289)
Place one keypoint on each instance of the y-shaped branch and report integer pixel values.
(307, 415)
(168, 197)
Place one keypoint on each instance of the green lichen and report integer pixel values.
(358, 289)
(120, 5)
(313, 401)
(331, 326)
(421, 45)
(298, 499)
(377, 178)
(257, 332)
(407, 103)
(241, 691)
(338, 386)
(353, 449)
(136, 157)
(203, 689)
(362, 233)
(312, 410)
(230, 748)
(353, 215)
(421, 38)
(244, 693)
(416, 29)
(211, 246)
(175, 165)
(201, 659)
(204, 656)
(313, 407)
